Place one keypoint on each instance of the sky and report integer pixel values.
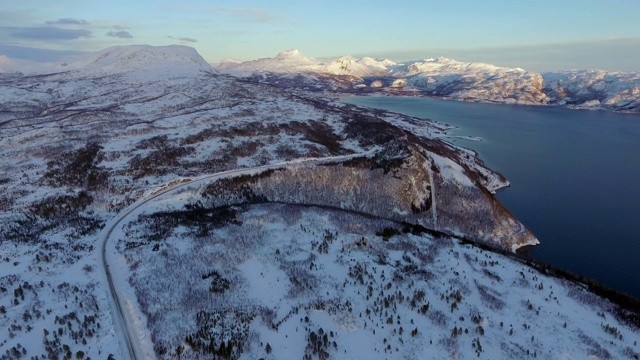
(540, 35)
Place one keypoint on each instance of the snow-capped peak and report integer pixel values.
(470, 81)
(178, 59)
(348, 65)
(445, 65)
(381, 63)
(294, 61)
(296, 57)
(288, 61)
(290, 53)
(172, 60)
(229, 61)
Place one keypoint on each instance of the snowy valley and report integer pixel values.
(255, 216)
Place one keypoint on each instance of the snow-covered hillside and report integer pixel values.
(594, 89)
(472, 81)
(366, 66)
(286, 62)
(307, 282)
(79, 145)
(293, 61)
(444, 77)
(172, 60)
(175, 59)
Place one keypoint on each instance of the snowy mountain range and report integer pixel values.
(442, 77)
(293, 61)
(152, 206)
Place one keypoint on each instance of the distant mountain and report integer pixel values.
(589, 89)
(442, 77)
(173, 60)
(366, 66)
(117, 59)
(286, 62)
(294, 61)
(473, 81)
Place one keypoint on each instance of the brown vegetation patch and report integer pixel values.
(163, 160)
(78, 168)
(371, 131)
(316, 132)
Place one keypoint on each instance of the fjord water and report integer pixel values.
(575, 177)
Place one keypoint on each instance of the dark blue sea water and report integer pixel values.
(575, 177)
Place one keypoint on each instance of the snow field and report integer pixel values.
(351, 285)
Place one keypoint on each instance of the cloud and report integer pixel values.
(119, 27)
(68, 21)
(37, 54)
(183, 40)
(250, 14)
(120, 34)
(49, 33)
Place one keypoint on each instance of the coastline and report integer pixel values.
(624, 300)
(398, 92)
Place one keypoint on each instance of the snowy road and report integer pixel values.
(123, 318)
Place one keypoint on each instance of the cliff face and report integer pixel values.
(401, 183)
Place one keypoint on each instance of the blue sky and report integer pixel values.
(536, 35)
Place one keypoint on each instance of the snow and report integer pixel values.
(288, 61)
(465, 81)
(594, 89)
(128, 99)
(505, 305)
(294, 61)
(268, 284)
(451, 170)
(171, 60)
(348, 65)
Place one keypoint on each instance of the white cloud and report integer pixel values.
(120, 34)
(68, 21)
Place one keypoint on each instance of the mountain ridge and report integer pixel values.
(439, 77)
(466, 81)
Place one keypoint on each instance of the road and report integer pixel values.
(122, 318)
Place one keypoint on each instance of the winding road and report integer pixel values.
(123, 320)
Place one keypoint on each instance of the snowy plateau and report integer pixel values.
(154, 206)
(442, 77)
